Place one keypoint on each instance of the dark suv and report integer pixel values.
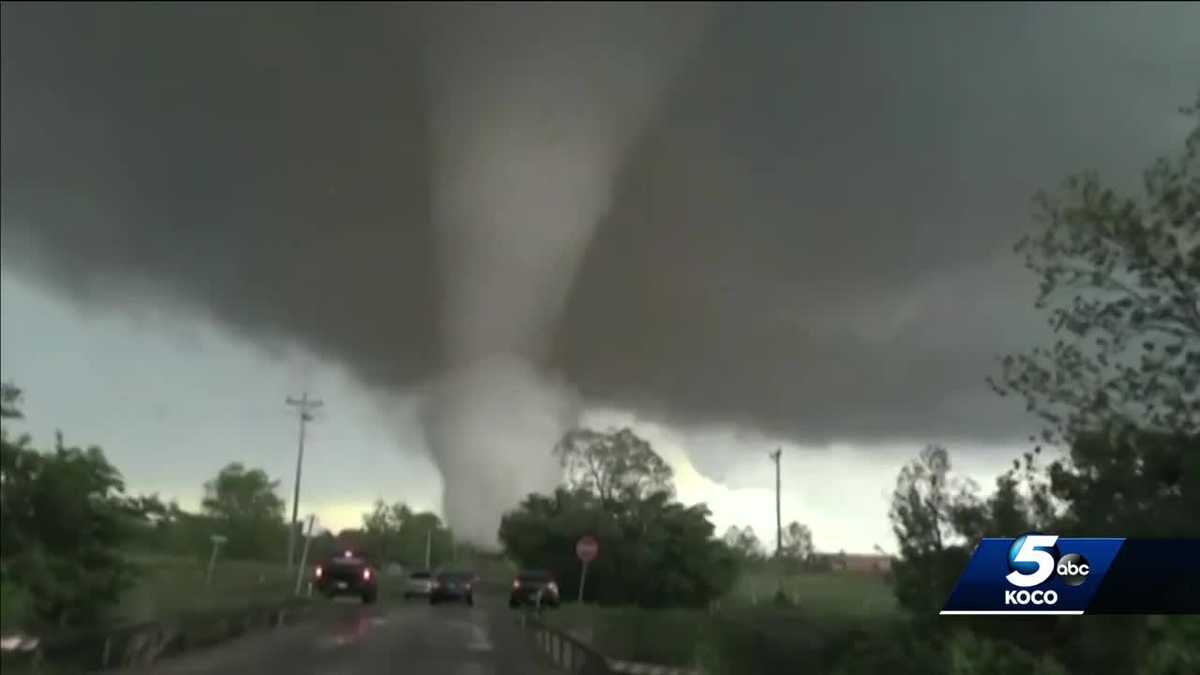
(453, 587)
(347, 573)
(529, 584)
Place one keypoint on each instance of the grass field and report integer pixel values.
(169, 585)
(823, 593)
(826, 605)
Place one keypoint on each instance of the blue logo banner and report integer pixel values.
(1033, 574)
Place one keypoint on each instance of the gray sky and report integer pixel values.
(806, 242)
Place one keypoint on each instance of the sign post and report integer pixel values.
(217, 540)
(587, 548)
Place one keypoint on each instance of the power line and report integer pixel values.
(305, 407)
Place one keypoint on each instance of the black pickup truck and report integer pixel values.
(534, 587)
(347, 573)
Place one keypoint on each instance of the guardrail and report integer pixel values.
(570, 654)
(564, 650)
(144, 643)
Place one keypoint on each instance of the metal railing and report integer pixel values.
(565, 651)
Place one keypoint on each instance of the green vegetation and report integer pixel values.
(656, 552)
(1118, 389)
(733, 640)
(396, 533)
(64, 518)
(76, 551)
(169, 585)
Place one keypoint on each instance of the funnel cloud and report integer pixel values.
(531, 110)
(793, 220)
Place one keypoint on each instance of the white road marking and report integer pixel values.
(480, 641)
(334, 641)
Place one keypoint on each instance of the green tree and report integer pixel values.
(18, 463)
(1135, 483)
(64, 520)
(1117, 389)
(662, 554)
(425, 528)
(244, 506)
(10, 401)
(396, 533)
(1120, 279)
(1176, 646)
(927, 504)
(744, 542)
(654, 551)
(797, 543)
(380, 532)
(615, 466)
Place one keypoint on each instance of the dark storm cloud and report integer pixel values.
(811, 239)
(266, 166)
(816, 238)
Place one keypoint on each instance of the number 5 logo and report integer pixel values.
(1024, 552)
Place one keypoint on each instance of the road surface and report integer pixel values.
(394, 636)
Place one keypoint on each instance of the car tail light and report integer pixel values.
(366, 574)
(553, 587)
(516, 584)
(317, 572)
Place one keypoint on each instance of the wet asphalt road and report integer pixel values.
(396, 636)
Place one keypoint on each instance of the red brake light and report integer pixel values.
(317, 572)
(516, 583)
(367, 574)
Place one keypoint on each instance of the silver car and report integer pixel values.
(418, 585)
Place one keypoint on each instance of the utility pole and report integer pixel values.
(778, 513)
(305, 406)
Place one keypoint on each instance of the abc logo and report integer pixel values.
(1073, 569)
(1034, 558)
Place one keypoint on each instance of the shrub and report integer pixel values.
(1176, 646)
(16, 607)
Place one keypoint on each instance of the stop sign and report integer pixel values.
(587, 548)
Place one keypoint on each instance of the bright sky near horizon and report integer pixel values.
(173, 401)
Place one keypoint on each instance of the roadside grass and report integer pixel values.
(175, 588)
(829, 610)
(168, 585)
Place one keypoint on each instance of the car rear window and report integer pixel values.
(534, 575)
(420, 575)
